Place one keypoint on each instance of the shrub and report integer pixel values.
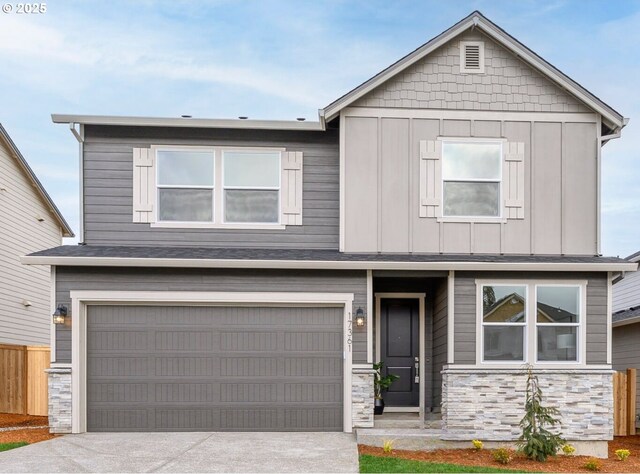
(623, 454)
(568, 449)
(387, 445)
(503, 455)
(536, 442)
(477, 444)
(593, 465)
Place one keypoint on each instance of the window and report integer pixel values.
(251, 187)
(504, 319)
(217, 186)
(558, 322)
(509, 334)
(185, 186)
(471, 174)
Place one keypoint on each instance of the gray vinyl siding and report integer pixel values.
(223, 280)
(21, 233)
(626, 293)
(440, 314)
(465, 311)
(108, 188)
(626, 352)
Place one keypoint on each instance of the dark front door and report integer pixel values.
(399, 350)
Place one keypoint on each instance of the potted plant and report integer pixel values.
(381, 383)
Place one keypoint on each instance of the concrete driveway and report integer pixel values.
(187, 452)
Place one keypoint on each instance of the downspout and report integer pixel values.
(79, 134)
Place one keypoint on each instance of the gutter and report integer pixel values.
(617, 133)
(324, 264)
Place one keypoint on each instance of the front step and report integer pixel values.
(407, 421)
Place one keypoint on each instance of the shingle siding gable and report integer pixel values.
(508, 84)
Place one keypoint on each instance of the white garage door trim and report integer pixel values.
(80, 300)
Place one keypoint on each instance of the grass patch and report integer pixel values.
(370, 463)
(8, 446)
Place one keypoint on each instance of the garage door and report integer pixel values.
(202, 368)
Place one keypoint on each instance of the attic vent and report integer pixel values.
(472, 57)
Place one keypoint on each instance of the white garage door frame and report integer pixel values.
(81, 299)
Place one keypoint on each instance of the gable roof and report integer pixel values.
(613, 119)
(22, 162)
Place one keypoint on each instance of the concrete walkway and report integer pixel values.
(187, 452)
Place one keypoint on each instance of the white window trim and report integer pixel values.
(481, 219)
(463, 68)
(81, 299)
(218, 190)
(224, 187)
(531, 338)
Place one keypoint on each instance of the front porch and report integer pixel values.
(423, 326)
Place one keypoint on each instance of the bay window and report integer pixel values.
(509, 333)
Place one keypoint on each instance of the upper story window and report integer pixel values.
(185, 185)
(472, 176)
(509, 334)
(251, 186)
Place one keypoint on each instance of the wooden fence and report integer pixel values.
(24, 382)
(624, 403)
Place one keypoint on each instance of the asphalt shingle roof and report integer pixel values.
(98, 251)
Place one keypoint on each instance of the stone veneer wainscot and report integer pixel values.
(362, 398)
(59, 399)
(488, 404)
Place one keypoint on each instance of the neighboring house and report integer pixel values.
(244, 274)
(29, 221)
(626, 323)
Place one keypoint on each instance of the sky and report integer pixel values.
(270, 59)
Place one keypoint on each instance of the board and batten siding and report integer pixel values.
(465, 310)
(22, 233)
(625, 353)
(108, 188)
(626, 293)
(382, 190)
(224, 280)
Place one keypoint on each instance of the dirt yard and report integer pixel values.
(29, 435)
(471, 457)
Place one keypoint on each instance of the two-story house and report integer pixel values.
(442, 217)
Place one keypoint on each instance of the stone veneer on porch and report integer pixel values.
(488, 404)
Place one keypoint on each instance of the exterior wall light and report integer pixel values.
(360, 317)
(60, 315)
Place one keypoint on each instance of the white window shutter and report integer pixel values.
(144, 185)
(430, 178)
(291, 188)
(513, 180)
